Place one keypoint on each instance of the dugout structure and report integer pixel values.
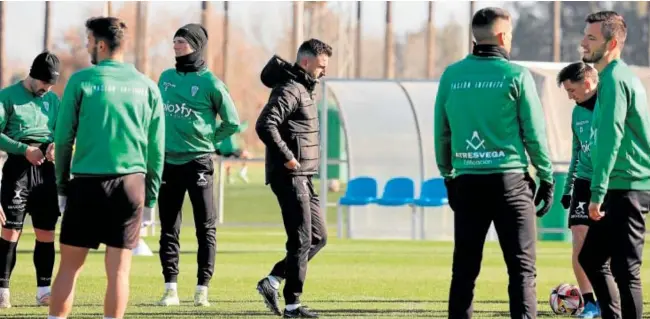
(388, 132)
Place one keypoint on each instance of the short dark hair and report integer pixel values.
(108, 29)
(577, 72)
(314, 47)
(613, 24)
(484, 19)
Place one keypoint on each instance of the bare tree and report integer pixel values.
(389, 51)
(431, 40)
(2, 44)
(47, 33)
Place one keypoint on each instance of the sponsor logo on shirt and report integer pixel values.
(179, 110)
(167, 85)
(477, 154)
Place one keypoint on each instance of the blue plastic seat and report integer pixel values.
(397, 192)
(360, 191)
(432, 194)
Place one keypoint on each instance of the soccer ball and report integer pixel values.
(566, 299)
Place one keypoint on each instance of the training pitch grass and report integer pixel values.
(365, 279)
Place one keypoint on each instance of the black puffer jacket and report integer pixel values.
(288, 124)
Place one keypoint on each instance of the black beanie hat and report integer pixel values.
(195, 34)
(45, 68)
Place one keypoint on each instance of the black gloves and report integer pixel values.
(566, 201)
(545, 193)
(451, 192)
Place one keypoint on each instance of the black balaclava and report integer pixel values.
(45, 68)
(197, 37)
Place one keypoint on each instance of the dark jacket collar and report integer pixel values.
(490, 50)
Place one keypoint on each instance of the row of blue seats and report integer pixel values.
(398, 191)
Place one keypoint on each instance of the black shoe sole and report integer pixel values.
(269, 302)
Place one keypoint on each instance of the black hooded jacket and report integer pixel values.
(288, 124)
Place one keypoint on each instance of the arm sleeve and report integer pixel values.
(64, 136)
(225, 107)
(55, 109)
(7, 143)
(533, 128)
(155, 149)
(610, 115)
(281, 104)
(442, 132)
(571, 174)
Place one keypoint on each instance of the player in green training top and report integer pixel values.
(28, 111)
(193, 98)
(116, 115)
(580, 81)
(488, 118)
(620, 184)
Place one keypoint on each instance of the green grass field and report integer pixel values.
(350, 278)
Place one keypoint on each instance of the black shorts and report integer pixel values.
(29, 189)
(103, 210)
(237, 153)
(579, 210)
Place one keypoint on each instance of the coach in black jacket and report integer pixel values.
(288, 126)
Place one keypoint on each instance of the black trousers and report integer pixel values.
(612, 253)
(306, 231)
(195, 177)
(506, 200)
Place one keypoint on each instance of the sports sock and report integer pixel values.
(44, 263)
(40, 291)
(243, 171)
(7, 261)
(201, 288)
(171, 285)
(589, 297)
(53, 317)
(293, 307)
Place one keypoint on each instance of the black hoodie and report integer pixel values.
(288, 124)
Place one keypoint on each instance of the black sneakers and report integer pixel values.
(271, 296)
(300, 312)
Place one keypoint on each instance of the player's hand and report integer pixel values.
(62, 203)
(566, 201)
(49, 154)
(594, 211)
(3, 217)
(545, 193)
(292, 164)
(146, 212)
(34, 155)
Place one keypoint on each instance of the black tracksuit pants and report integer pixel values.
(306, 231)
(506, 200)
(612, 253)
(195, 177)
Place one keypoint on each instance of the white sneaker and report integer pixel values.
(201, 299)
(4, 299)
(44, 299)
(169, 298)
